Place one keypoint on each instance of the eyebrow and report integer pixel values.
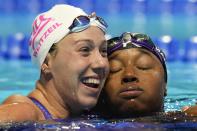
(103, 42)
(86, 40)
(141, 50)
(145, 51)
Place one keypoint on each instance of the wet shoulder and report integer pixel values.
(17, 99)
(18, 108)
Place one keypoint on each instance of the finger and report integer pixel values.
(185, 108)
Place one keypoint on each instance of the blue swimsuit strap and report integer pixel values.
(46, 113)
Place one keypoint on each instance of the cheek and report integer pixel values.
(154, 81)
(107, 67)
(152, 77)
(61, 62)
(113, 81)
(157, 75)
(109, 88)
(65, 71)
(112, 87)
(75, 65)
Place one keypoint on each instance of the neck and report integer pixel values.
(49, 97)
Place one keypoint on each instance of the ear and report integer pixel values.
(45, 67)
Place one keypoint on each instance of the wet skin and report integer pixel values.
(135, 85)
(80, 68)
(70, 81)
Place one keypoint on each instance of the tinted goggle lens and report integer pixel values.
(126, 37)
(141, 40)
(112, 42)
(81, 22)
(137, 37)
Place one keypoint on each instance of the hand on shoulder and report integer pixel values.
(191, 111)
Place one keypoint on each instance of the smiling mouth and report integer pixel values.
(91, 82)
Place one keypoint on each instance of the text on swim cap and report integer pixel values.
(44, 36)
(38, 26)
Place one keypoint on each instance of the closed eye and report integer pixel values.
(115, 65)
(115, 70)
(143, 67)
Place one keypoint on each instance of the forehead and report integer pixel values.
(92, 33)
(134, 54)
(131, 53)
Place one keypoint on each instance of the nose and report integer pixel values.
(129, 76)
(129, 79)
(100, 64)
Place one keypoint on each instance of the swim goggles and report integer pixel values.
(136, 40)
(81, 23)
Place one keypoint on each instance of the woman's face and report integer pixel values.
(80, 68)
(135, 84)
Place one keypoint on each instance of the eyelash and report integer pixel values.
(85, 50)
(143, 68)
(115, 71)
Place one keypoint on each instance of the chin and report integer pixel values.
(88, 104)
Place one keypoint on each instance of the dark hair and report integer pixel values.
(53, 49)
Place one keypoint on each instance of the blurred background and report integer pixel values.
(171, 23)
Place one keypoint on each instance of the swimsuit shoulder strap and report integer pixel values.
(46, 113)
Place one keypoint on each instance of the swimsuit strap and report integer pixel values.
(45, 112)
